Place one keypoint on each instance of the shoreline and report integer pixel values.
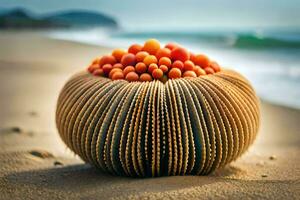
(36, 164)
(92, 50)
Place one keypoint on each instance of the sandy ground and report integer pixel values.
(35, 164)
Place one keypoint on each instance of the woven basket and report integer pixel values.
(144, 129)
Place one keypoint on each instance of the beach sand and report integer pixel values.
(35, 164)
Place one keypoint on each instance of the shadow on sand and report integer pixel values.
(84, 181)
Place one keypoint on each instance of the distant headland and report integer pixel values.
(20, 18)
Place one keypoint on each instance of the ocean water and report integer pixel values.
(270, 59)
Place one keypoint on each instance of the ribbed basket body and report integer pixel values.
(144, 129)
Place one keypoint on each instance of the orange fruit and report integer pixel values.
(164, 68)
(152, 67)
(171, 46)
(117, 75)
(188, 65)
(128, 59)
(128, 69)
(178, 64)
(118, 53)
(145, 77)
(151, 46)
(140, 56)
(199, 71)
(98, 72)
(189, 73)
(106, 68)
(150, 59)
(118, 65)
(132, 76)
(201, 60)
(113, 71)
(93, 67)
(165, 61)
(209, 70)
(164, 52)
(140, 67)
(215, 66)
(192, 57)
(96, 61)
(180, 53)
(174, 73)
(157, 73)
(107, 59)
(135, 48)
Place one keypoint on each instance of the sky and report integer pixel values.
(179, 13)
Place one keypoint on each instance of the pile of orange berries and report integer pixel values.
(150, 61)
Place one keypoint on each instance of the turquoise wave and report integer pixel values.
(230, 39)
(253, 41)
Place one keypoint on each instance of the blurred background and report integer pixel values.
(44, 42)
(261, 39)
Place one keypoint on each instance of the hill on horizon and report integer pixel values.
(21, 18)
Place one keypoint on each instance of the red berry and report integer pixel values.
(145, 77)
(106, 68)
(215, 66)
(113, 71)
(128, 69)
(128, 59)
(209, 70)
(164, 52)
(188, 65)
(140, 56)
(157, 73)
(178, 64)
(135, 48)
(192, 57)
(171, 46)
(118, 65)
(164, 68)
(118, 75)
(140, 67)
(150, 59)
(201, 60)
(165, 61)
(151, 46)
(180, 53)
(93, 67)
(189, 74)
(108, 59)
(132, 76)
(152, 67)
(174, 73)
(98, 72)
(199, 71)
(118, 54)
(96, 61)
